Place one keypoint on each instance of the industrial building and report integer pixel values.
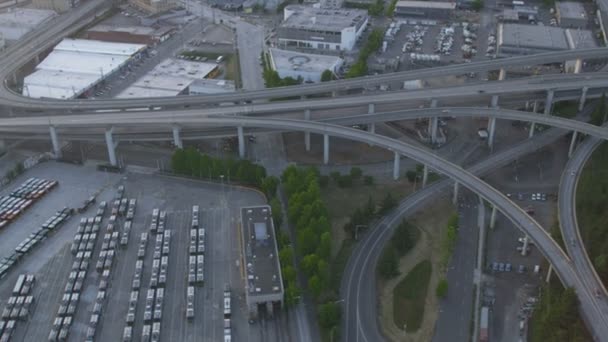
(76, 66)
(154, 6)
(571, 14)
(320, 28)
(428, 10)
(211, 86)
(16, 22)
(130, 34)
(305, 65)
(59, 6)
(520, 39)
(171, 77)
(264, 285)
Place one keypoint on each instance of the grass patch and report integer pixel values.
(232, 69)
(409, 297)
(591, 199)
(566, 109)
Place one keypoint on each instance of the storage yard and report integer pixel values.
(138, 258)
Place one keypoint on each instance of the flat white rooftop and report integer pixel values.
(427, 4)
(169, 78)
(76, 65)
(17, 22)
(305, 62)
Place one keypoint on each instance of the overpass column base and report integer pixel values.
(491, 131)
(524, 248)
(396, 164)
(434, 124)
(425, 175)
(307, 134)
(325, 149)
(581, 103)
(372, 128)
(177, 140)
(111, 147)
(548, 278)
(549, 102)
(532, 128)
(241, 139)
(493, 217)
(502, 74)
(572, 143)
(455, 194)
(55, 142)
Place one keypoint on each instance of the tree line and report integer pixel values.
(403, 240)
(373, 43)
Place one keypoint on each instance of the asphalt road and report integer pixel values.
(568, 222)
(360, 310)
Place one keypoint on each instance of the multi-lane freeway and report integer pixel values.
(567, 216)
(591, 308)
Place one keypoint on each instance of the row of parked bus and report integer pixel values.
(23, 197)
(18, 306)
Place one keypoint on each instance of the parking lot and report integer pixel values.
(51, 261)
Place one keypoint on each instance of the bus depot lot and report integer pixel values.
(51, 260)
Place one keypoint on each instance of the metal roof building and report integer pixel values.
(170, 78)
(321, 28)
(264, 284)
(520, 39)
(305, 65)
(425, 9)
(16, 22)
(75, 66)
(571, 14)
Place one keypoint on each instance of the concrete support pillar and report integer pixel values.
(425, 175)
(434, 103)
(493, 217)
(372, 128)
(549, 102)
(581, 103)
(325, 149)
(535, 107)
(55, 142)
(334, 93)
(502, 74)
(434, 124)
(307, 134)
(549, 273)
(572, 143)
(524, 248)
(241, 138)
(177, 140)
(396, 165)
(111, 147)
(494, 101)
(455, 193)
(491, 131)
(578, 66)
(532, 128)
(371, 109)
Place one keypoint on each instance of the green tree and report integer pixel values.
(345, 181)
(327, 75)
(309, 264)
(286, 255)
(329, 315)
(324, 249)
(442, 288)
(370, 208)
(269, 186)
(377, 8)
(388, 265)
(477, 5)
(368, 180)
(403, 239)
(388, 203)
(289, 274)
(292, 294)
(307, 241)
(411, 176)
(315, 286)
(277, 213)
(356, 173)
(323, 181)
(335, 175)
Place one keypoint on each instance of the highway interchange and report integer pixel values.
(571, 273)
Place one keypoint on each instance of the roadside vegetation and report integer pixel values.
(598, 116)
(409, 297)
(566, 109)
(272, 78)
(374, 42)
(556, 317)
(403, 240)
(415, 176)
(591, 199)
(448, 240)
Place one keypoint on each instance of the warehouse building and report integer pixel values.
(429, 10)
(571, 14)
(76, 66)
(519, 39)
(264, 285)
(320, 28)
(154, 6)
(16, 22)
(171, 77)
(130, 34)
(211, 86)
(305, 65)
